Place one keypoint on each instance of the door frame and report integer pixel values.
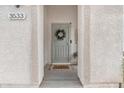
(80, 19)
(69, 45)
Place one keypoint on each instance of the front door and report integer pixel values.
(60, 43)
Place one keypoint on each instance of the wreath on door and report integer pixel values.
(60, 34)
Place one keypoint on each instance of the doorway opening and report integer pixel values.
(60, 43)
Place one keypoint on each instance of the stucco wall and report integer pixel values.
(99, 49)
(59, 14)
(81, 43)
(106, 43)
(15, 46)
(40, 37)
(123, 29)
(100, 45)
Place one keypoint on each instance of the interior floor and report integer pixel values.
(61, 78)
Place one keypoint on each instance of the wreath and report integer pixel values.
(60, 34)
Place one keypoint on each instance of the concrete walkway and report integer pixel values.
(61, 78)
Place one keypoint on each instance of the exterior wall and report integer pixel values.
(59, 14)
(106, 44)
(101, 46)
(15, 46)
(21, 47)
(81, 43)
(40, 30)
(123, 29)
(37, 65)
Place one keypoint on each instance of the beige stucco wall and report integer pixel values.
(100, 58)
(106, 43)
(15, 46)
(21, 46)
(81, 42)
(99, 45)
(40, 26)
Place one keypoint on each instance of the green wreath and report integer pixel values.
(60, 34)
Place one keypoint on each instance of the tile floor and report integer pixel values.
(61, 78)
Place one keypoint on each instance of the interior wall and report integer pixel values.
(59, 14)
(15, 46)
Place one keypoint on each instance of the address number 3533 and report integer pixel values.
(16, 16)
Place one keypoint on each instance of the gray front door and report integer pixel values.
(60, 43)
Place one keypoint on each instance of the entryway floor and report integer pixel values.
(61, 78)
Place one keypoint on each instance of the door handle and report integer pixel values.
(70, 41)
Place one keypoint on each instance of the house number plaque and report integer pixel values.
(16, 16)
